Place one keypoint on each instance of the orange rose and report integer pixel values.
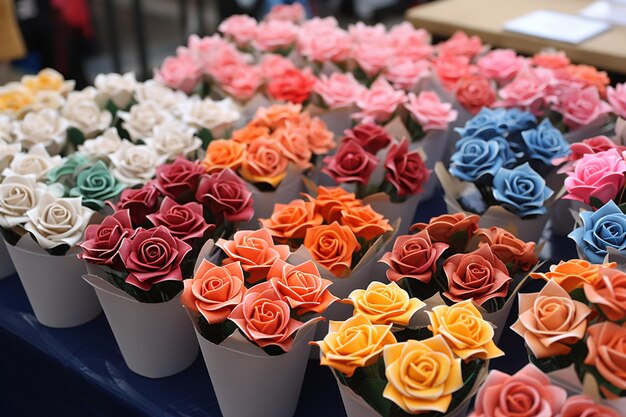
(14, 98)
(250, 133)
(331, 200)
(573, 274)
(453, 229)
(255, 250)
(47, 80)
(354, 343)
(590, 76)
(222, 154)
(515, 253)
(332, 246)
(608, 293)
(278, 115)
(264, 162)
(607, 349)
(295, 147)
(365, 222)
(321, 140)
(292, 220)
(385, 304)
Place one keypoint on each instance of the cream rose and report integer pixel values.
(102, 146)
(134, 164)
(18, 195)
(48, 80)
(42, 127)
(7, 153)
(208, 113)
(115, 87)
(36, 162)
(52, 100)
(83, 112)
(57, 221)
(172, 139)
(142, 118)
(5, 128)
(159, 94)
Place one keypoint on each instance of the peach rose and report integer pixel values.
(222, 154)
(474, 92)
(331, 201)
(354, 343)
(277, 116)
(589, 76)
(251, 132)
(321, 140)
(385, 303)
(332, 246)
(464, 329)
(255, 250)
(515, 253)
(478, 275)
(551, 59)
(214, 291)
(264, 317)
(450, 68)
(365, 222)
(583, 406)
(461, 44)
(573, 274)
(301, 286)
(422, 375)
(607, 349)
(265, 162)
(453, 229)
(414, 257)
(295, 147)
(291, 221)
(550, 321)
(608, 293)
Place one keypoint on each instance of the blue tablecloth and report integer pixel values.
(80, 372)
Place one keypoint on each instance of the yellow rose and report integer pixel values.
(464, 329)
(354, 343)
(422, 375)
(47, 80)
(385, 304)
(14, 98)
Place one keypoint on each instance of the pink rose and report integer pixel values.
(528, 393)
(583, 406)
(327, 45)
(273, 66)
(338, 90)
(461, 44)
(474, 92)
(501, 64)
(139, 202)
(617, 98)
(179, 179)
(379, 103)
(372, 59)
(243, 81)
(551, 60)
(226, 196)
(264, 317)
(368, 34)
(293, 85)
(406, 170)
(449, 68)
(351, 163)
(581, 107)
(241, 28)
(405, 72)
(371, 137)
(592, 145)
(275, 35)
(599, 175)
(102, 241)
(294, 13)
(429, 111)
(409, 42)
(180, 72)
(186, 222)
(214, 53)
(526, 91)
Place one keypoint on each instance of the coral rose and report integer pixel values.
(291, 221)
(551, 59)
(265, 162)
(550, 321)
(617, 99)
(474, 92)
(214, 291)
(515, 253)
(385, 303)
(461, 44)
(450, 68)
(500, 64)
(251, 132)
(351, 163)
(354, 343)
(295, 147)
(222, 154)
(331, 201)
(589, 76)
(573, 274)
(337, 90)
(453, 229)
(365, 222)
(332, 246)
(293, 85)
(321, 140)
(608, 293)
(583, 406)
(607, 348)
(379, 103)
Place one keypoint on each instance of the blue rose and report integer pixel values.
(485, 125)
(545, 143)
(516, 120)
(521, 190)
(475, 157)
(602, 229)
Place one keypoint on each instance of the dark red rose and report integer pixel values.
(139, 202)
(474, 92)
(153, 256)
(370, 136)
(293, 85)
(405, 170)
(179, 179)
(226, 196)
(351, 163)
(186, 222)
(102, 241)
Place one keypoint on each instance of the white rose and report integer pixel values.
(48, 80)
(18, 194)
(208, 113)
(158, 93)
(83, 112)
(172, 139)
(44, 127)
(142, 118)
(103, 145)
(7, 153)
(46, 99)
(115, 87)
(57, 221)
(134, 164)
(36, 162)
(6, 124)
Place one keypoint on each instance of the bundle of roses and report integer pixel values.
(256, 292)
(576, 324)
(152, 240)
(431, 369)
(450, 255)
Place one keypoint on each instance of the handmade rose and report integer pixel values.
(295, 147)
(608, 294)
(273, 65)
(209, 114)
(134, 164)
(64, 174)
(247, 134)
(332, 246)
(527, 91)
(179, 179)
(429, 111)
(365, 222)
(354, 343)
(327, 45)
(142, 118)
(102, 242)
(226, 196)
(406, 170)
(291, 221)
(475, 157)
(331, 201)
(461, 44)
(185, 222)
(370, 136)
(545, 143)
(371, 60)
(551, 59)
(413, 257)
(83, 112)
(44, 127)
(379, 103)
(515, 253)
(293, 85)
(385, 304)
(241, 28)
(500, 64)
(581, 107)
(405, 73)
(454, 230)
(101, 146)
(265, 162)
(521, 190)
(599, 176)
(181, 72)
(474, 92)
(595, 144)
(479, 275)
(466, 332)
(152, 256)
(173, 139)
(321, 139)
(243, 82)
(289, 12)
(14, 99)
(573, 274)
(450, 68)
(47, 80)
(606, 344)
(96, 185)
(150, 90)
(589, 76)
(617, 99)
(139, 202)
(222, 154)
(351, 163)
(18, 195)
(115, 87)
(275, 35)
(214, 291)
(583, 406)
(337, 90)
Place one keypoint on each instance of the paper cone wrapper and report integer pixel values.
(562, 222)
(337, 120)
(53, 284)
(499, 318)
(250, 383)
(6, 265)
(404, 211)
(595, 128)
(156, 339)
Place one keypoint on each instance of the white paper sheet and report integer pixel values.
(556, 26)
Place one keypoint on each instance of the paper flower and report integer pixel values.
(606, 293)
(406, 170)
(179, 179)
(337, 90)
(141, 119)
(545, 143)
(44, 127)
(291, 221)
(95, 185)
(351, 163)
(264, 162)
(385, 303)
(18, 195)
(521, 190)
(474, 92)
(185, 222)
(115, 87)
(140, 202)
(102, 242)
(429, 111)
(134, 164)
(515, 253)
(606, 350)
(365, 222)
(332, 246)
(226, 196)
(599, 175)
(172, 139)
(573, 274)
(102, 146)
(371, 137)
(83, 112)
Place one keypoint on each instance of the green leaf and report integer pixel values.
(75, 136)
(111, 107)
(622, 207)
(595, 202)
(206, 136)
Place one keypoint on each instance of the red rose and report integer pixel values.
(370, 136)
(153, 256)
(102, 241)
(293, 85)
(351, 163)
(474, 92)
(405, 170)
(139, 202)
(178, 179)
(226, 196)
(186, 222)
